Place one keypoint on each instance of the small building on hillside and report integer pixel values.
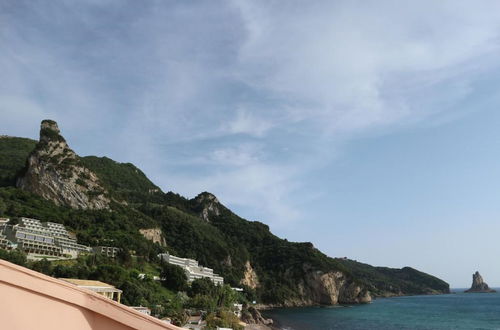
(195, 322)
(107, 251)
(104, 289)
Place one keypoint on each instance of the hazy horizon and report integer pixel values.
(369, 129)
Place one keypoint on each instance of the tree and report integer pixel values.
(43, 266)
(175, 277)
(124, 257)
(14, 256)
(202, 286)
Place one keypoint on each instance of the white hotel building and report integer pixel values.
(192, 269)
(43, 239)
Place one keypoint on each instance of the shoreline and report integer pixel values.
(264, 307)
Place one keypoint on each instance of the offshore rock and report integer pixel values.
(54, 172)
(478, 284)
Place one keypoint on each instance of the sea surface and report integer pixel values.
(451, 311)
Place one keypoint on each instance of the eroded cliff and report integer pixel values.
(54, 172)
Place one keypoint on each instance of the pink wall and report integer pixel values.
(22, 309)
(30, 300)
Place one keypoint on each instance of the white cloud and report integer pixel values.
(241, 155)
(354, 66)
(254, 92)
(246, 122)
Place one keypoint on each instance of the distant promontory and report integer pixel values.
(478, 284)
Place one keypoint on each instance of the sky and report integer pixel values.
(369, 128)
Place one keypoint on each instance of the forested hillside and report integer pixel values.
(272, 270)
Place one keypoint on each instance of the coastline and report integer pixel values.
(262, 308)
(476, 311)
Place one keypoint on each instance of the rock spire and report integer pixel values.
(478, 284)
(55, 172)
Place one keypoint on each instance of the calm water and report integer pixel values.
(453, 311)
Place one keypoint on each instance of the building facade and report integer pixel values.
(108, 251)
(41, 239)
(104, 289)
(192, 269)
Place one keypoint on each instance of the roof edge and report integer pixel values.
(45, 285)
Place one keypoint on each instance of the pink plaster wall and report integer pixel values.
(32, 301)
(22, 310)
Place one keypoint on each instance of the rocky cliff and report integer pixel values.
(250, 278)
(155, 235)
(54, 172)
(478, 284)
(207, 205)
(330, 288)
(253, 316)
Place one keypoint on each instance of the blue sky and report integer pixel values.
(369, 128)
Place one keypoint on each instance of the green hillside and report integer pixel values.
(13, 154)
(226, 242)
(388, 281)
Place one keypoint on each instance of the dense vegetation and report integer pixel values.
(125, 181)
(13, 154)
(387, 281)
(225, 243)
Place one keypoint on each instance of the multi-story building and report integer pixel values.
(108, 251)
(42, 239)
(192, 269)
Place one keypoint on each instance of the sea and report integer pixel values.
(457, 310)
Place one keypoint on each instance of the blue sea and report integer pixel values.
(452, 311)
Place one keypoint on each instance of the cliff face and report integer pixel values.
(155, 235)
(208, 205)
(478, 284)
(250, 278)
(54, 172)
(329, 288)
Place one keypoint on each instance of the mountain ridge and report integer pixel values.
(283, 273)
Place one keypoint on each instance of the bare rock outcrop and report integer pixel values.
(478, 284)
(250, 277)
(54, 172)
(329, 288)
(155, 235)
(208, 205)
(251, 315)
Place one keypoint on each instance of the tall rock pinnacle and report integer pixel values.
(478, 284)
(54, 172)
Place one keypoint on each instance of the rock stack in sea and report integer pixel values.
(478, 284)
